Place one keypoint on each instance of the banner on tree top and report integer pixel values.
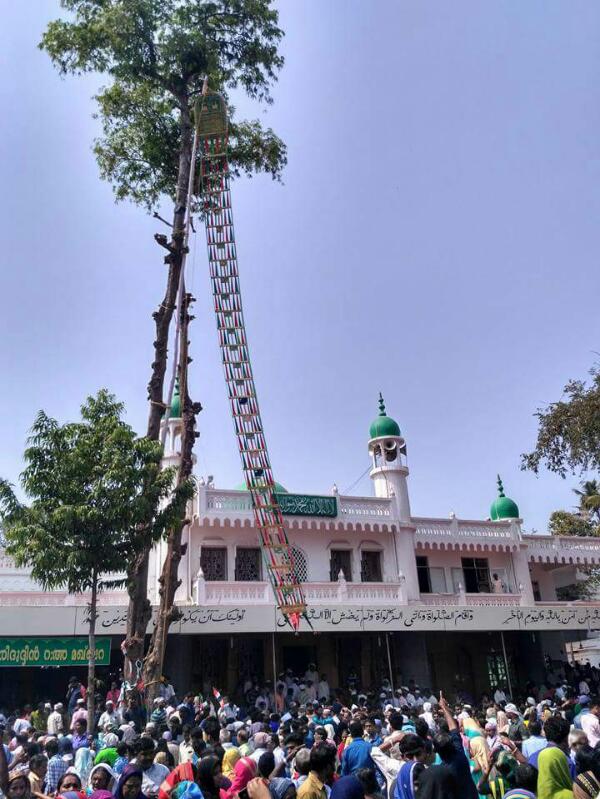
(52, 651)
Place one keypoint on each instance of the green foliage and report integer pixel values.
(156, 54)
(96, 492)
(589, 499)
(569, 430)
(564, 523)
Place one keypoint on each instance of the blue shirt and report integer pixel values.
(56, 768)
(533, 744)
(356, 755)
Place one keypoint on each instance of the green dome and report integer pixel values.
(503, 507)
(383, 425)
(175, 412)
(279, 489)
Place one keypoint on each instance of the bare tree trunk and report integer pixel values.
(91, 680)
(139, 610)
(169, 580)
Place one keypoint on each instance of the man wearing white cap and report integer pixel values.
(110, 715)
(55, 720)
(427, 715)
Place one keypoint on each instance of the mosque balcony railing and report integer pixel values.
(453, 533)
(39, 598)
(471, 600)
(563, 549)
(260, 593)
(226, 506)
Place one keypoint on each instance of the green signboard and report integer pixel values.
(52, 651)
(306, 505)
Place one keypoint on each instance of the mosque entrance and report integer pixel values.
(297, 658)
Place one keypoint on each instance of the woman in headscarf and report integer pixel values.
(282, 788)
(437, 782)
(243, 771)
(230, 758)
(478, 755)
(19, 786)
(554, 778)
(502, 722)
(68, 782)
(587, 781)
(208, 771)
(130, 783)
(102, 778)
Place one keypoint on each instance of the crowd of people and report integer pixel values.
(300, 738)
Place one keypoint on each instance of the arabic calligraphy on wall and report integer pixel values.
(68, 621)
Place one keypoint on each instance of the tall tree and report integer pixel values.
(95, 492)
(156, 55)
(568, 439)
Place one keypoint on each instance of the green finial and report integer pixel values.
(176, 402)
(383, 424)
(503, 507)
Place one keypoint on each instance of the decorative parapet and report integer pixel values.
(563, 549)
(456, 533)
(234, 508)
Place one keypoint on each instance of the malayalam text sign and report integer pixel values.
(52, 651)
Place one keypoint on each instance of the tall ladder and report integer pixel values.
(211, 130)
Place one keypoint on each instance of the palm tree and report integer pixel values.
(589, 499)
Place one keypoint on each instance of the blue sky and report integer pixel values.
(436, 237)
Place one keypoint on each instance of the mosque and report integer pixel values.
(380, 584)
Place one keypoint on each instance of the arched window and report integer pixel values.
(300, 564)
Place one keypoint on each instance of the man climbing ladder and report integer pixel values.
(211, 123)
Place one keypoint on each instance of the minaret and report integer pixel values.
(387, 449)
(172, 451)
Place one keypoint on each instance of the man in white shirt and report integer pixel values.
(311, 673)
(153, 774)
(261, 741)
(590, 723)
(55, 720)
(499, 696)
(110, 716)
(323, 690)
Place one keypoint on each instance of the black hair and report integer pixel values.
(266, 764)
(212, 728)
(535, 727)
(368, 780)
(421, 728)
(411, 744)
(52, 747)
(356, 729)
(322, 757)
(525, 776)
(63, 777)
(396, 721)
(121, 749)
(588, 759)
(556, 729)
(36, 761)
(144, 744)
(444, 745)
